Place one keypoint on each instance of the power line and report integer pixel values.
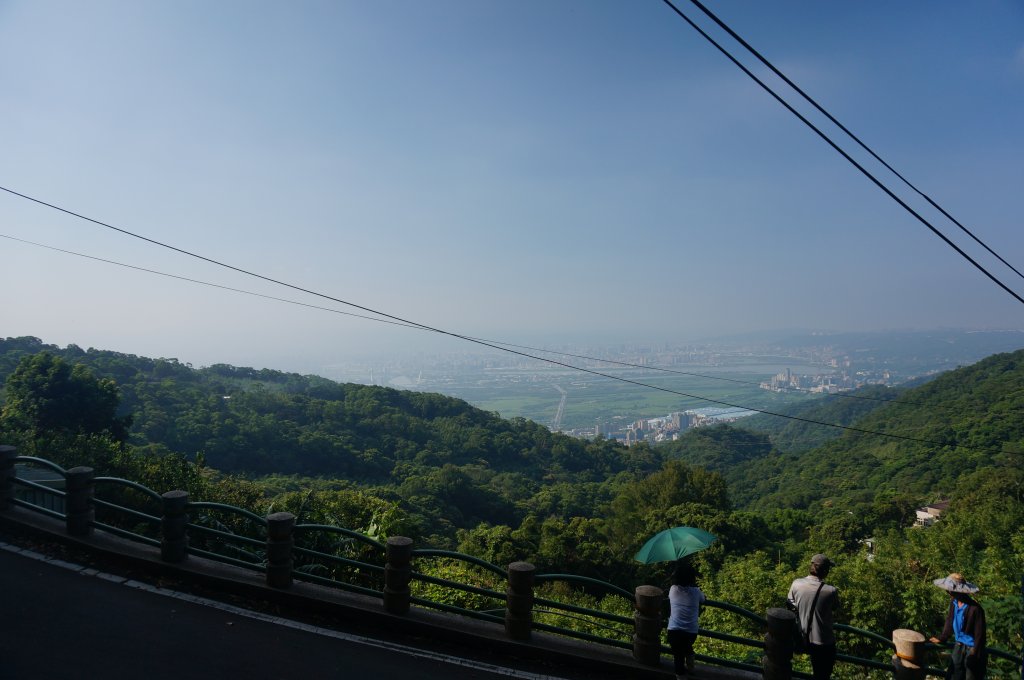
(207, 283)
(845, 155)
(852, 136)
(212, 261)
(697, 375)
(418, 327)
(517, 352)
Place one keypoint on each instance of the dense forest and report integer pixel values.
(449, 475)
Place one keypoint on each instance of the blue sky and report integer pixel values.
(526, 171)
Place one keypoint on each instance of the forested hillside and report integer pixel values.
(263, 421)
(794, 436)
(964, 421)
(454, 464)
(386, 462)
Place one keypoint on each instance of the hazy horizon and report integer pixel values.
(531, 173)
(451, 348)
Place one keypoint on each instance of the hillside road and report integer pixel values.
(73, 622)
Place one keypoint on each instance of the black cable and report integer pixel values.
(845, 155)
(852, 136)
(700, 375)
(212, 261)
(530, 356)
(207, 283)
(417, 327)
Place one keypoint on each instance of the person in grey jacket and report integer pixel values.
(815, 602)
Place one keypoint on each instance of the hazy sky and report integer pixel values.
(524, 171)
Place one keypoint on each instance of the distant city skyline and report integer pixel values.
(530, 173)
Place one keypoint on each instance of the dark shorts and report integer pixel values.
(681, 643)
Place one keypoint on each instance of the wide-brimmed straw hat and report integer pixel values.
(955, 583)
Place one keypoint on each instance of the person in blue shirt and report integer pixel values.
(685, 599)
(965, 623)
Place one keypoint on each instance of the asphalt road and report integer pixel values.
(58, 622)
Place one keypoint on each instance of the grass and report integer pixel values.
(603, 400)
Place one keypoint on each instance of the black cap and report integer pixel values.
(820, 560)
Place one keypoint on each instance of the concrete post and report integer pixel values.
(519, 600)
(909, 660)
(174, 527)
(79, 512)
(397, 573)
(280, 540)
(778, 644)
(7, 456)
(647, 625)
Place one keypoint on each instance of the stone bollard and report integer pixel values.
(909, 660)
(79, 512)
(778, 644)
(280, 540)
(7, 456)
(647, 625)
(174, 527)
(397, 573)
(519, 600)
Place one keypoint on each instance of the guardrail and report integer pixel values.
(348, 560)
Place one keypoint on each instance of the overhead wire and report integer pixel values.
(849, 133)
(698, 375)
(920, 218)
(507, 347)
(418, 327)
(581, 369)
(205, 283)
(207, 259)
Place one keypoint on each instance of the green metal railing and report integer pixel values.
(368, 573)
(228, 541)
(487, 594)
(239, 537)
(618, 626)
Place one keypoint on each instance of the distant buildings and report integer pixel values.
(929, 514)
(826, 383)
(670, 427)
(785, 380)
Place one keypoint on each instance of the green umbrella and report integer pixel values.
(671, 544)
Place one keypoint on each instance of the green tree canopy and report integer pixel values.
(47, 395)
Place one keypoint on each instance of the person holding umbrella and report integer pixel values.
(685, 599)
(684, 596)
(965, 623)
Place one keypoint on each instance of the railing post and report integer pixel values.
(174, 527)
(280, 540)
(7, 456)
(519, 600)
(397, 573)
(778, 644)
(647, 625)
(79, 512)
(909, 660)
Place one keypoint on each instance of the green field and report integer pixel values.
(591, 398)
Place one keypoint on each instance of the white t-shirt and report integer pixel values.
(685, 601)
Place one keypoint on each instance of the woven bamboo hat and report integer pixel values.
(955, 583)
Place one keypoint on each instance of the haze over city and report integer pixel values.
(532, 172)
